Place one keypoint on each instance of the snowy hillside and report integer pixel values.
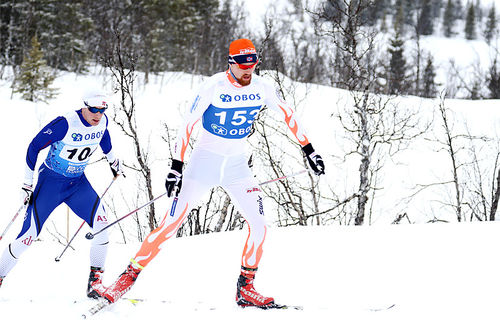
(166, 97)
(442, 278)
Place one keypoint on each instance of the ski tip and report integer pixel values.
(287, 307)
(134, 301)
(383, 308)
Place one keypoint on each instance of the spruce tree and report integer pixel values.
(398, 21)
(458, 10)
(425, 25)
(430, 88)
(470, 23)
(397, 66)
(479, 11)
(491, 25)
(449, 19)
(494, 81)
(410, 7)
(15, 30)
(62, 28)
(436, 6)
(34, 78)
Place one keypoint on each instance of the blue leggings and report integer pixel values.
(51, 190)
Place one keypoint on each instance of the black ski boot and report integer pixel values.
(95, 288)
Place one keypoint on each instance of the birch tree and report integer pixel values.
(376, 126)
(122, 66)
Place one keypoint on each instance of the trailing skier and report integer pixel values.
(72, 138)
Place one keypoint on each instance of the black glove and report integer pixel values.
(174, 178)
(116, 168)
(26, 193)
(315, 160)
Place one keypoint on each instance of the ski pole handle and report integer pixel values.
(58, 258)
(174, 204)
(91, 235)
(12, 221)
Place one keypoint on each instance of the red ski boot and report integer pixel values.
(125, 281)
(246, 295)
(95, 288)
(1, 280)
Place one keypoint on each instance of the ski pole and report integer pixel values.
(12, 221)
(58, 258)
(174, 203)
(284, 177)
(91, 235)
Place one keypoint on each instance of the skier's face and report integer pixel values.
(92, 118)
(243, 75)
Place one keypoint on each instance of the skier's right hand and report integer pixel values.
(26, 193)
(174, 178)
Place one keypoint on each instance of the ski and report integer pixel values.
(96, 308)
(382, 308)
(276, 306)
(103, 303)
(283, 307)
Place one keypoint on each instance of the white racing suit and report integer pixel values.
(227, 111)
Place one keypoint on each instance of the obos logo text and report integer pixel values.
(88, 136)
(236, 98)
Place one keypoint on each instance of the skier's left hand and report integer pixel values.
(315, 161)
(116, 168)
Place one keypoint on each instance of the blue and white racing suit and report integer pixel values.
(61, 178)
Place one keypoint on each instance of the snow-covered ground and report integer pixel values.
(442, 278)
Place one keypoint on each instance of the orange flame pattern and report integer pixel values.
(151, 245)
(185, 140)
(249, 253)
(294, 127)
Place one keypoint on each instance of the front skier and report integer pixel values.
(72, 138)
(227, 103)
